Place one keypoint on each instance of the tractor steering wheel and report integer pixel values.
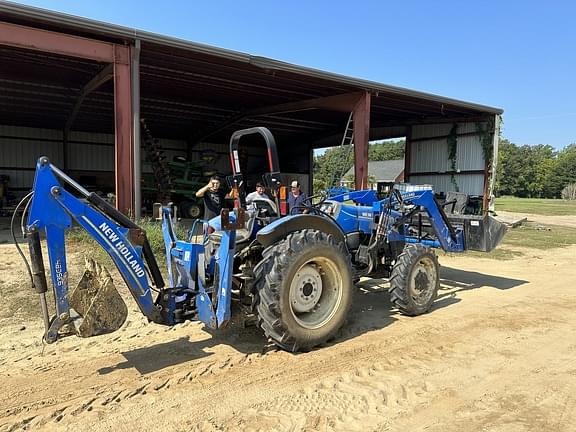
(323, 195)
(312, 208)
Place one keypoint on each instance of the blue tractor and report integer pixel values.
(295, 273)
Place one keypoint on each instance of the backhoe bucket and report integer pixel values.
(97, 302)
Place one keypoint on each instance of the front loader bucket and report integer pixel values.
(481, 233)
(97, 302)
(495, 231)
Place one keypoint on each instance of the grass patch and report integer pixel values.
(500, 254)
(548, 207)
(537, 236)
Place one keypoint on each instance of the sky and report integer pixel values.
(516, 55)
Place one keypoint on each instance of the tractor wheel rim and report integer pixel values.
(423, 281)
(194, 211)
(315, 293)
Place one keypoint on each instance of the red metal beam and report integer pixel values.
(119, 55)
(124, 144)
(361, 137)
(56, 43)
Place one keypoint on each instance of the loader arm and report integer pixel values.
(394, 214)
(52, 211)
(448, 238)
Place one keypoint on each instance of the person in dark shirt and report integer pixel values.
(213, 198)
(296, 199)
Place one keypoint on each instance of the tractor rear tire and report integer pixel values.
(189, 209)
(304, 285)
(415, 280)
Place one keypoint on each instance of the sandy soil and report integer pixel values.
(497, 353)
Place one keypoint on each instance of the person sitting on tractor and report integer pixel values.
(259, 193)
(213, 198)
(296, 199)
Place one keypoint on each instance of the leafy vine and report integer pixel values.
(486, 133)
(452, 141)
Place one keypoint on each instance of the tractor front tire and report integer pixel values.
(304, 285)
(415, 280)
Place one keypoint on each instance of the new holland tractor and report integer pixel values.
(295, 273)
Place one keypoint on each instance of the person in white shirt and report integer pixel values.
(260, 192)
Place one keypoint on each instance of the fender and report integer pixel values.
(280, 228)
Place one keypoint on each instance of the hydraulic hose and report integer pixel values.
(27, 197)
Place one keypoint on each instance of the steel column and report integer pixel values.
(123, 118)
(136, 128)
(361, 138)
(490, 169)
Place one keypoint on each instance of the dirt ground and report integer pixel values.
(497, 353)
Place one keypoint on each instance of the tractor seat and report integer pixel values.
(456, 202)
(242, 234)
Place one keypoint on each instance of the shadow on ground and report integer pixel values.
(451, 278)
(454, 280)
(371, 310)
(162, 355)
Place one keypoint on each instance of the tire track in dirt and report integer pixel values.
(380, 396)
(339, 392)
(103, 393)
(372, 376)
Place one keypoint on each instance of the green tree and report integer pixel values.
(509, 164)
(386, 150)
(538, 163)
(525, 171)
(564, 171)
(332, 165)
(318, 185)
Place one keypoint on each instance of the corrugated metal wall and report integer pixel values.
(90, 151)
(472, 184)
(90, 157)
(20, 147)
(429, 163)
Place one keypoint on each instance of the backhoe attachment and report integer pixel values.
(97, 301)
(94, 307)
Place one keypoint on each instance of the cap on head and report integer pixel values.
(294, 183)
